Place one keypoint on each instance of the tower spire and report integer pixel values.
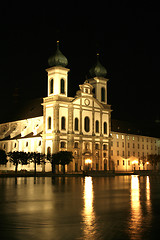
(58, 59)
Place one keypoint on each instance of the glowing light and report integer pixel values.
(135, 162)
(88, 161)
(147, 163)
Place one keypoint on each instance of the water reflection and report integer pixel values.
(89, 224)
(136, 211)
(141, 211)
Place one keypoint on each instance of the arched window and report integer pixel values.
(103, 94)
(105, 128)
(49, 122)
(63, 123)
(87, 124)
(97, 126)
(76, 124)
(51, 86)
(62, 86)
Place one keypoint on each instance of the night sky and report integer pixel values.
(127, 37)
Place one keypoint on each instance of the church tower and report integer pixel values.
(98, 81)
(57, 74)
(57, 103)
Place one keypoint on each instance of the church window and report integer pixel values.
(105, 127)
(104, 147)
(87, 124)
(63, 144)
(26, 144)
(86, 90)
(49, 122)
(97, 146)
(40, 143)
(51, 86)
(97, 126)
(63, 123)
(15, 145)
(62, 86)
(76, 145)
(76, 124)
(86, 146)
(103, 94)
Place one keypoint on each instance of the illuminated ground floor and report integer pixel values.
(121, 153)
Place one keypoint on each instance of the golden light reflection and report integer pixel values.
(136, 212)
(148, 194)
(89, 227)
(138, 223)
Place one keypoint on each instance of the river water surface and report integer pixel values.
(121, 207)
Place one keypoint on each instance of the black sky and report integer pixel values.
(126, 36)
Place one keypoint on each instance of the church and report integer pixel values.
(81, 124)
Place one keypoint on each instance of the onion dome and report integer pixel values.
(58, 59)
(98, 70)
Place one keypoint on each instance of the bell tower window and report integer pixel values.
(102, 94)
(51, 86)
(105, 128)
(62, 86)
(49, 122)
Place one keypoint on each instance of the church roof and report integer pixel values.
(22, 110)
(58, 59)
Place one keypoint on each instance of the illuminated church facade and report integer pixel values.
(81, 124)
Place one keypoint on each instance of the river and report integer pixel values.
(121, 207)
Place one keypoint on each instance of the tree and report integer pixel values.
(143, 160)
(51, 158)
(62, 158)
(37, 158)
(154, 159)
(3, 157)
(17, 157)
